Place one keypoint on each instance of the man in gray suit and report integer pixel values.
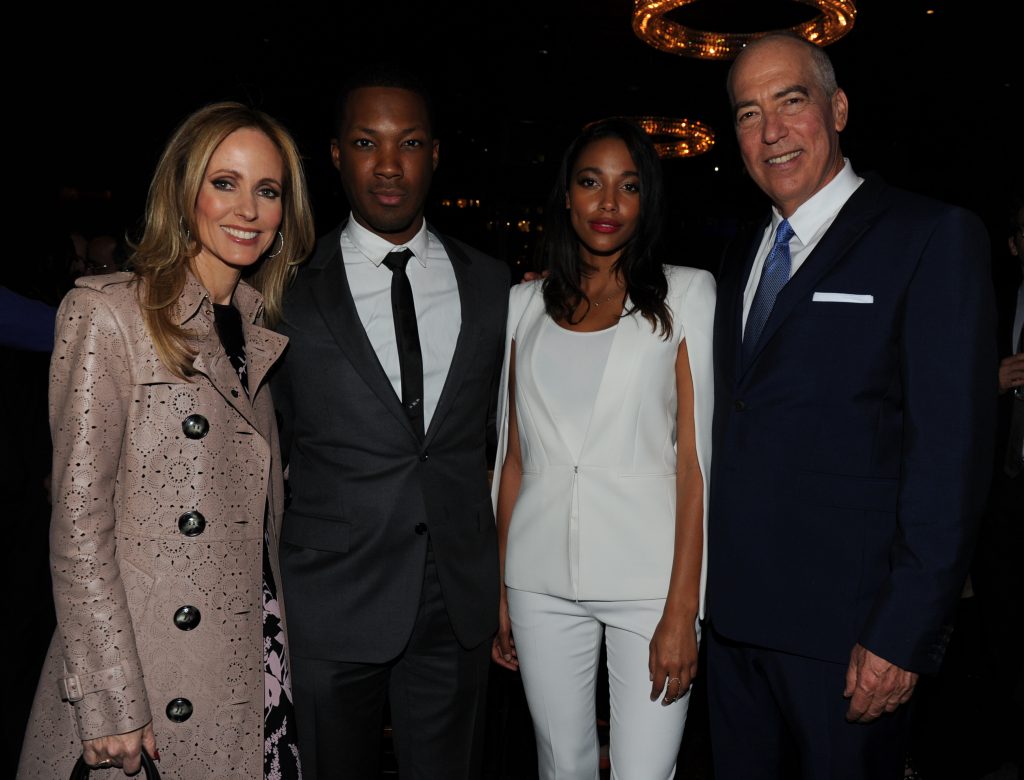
(387, 399)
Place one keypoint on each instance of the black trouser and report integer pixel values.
(777, 715)
(437, 691)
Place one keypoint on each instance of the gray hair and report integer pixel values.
(824, 73)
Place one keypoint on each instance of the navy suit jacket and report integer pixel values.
(367, 491)
(851, 451)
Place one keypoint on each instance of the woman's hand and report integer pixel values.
(673, 659)
(503, 649)
(123, 750)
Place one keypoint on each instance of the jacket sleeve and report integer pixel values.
(948, 369)
(519, 298)
(89, 398)
(697, 315)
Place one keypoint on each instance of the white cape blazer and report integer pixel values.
(601, 527)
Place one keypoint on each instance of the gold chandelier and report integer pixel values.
(834, 20)
(675, 138)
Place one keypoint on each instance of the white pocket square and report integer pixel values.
(829, 297)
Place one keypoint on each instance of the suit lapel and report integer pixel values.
(741, 261)
(333, 297)
(855, 217)
(466, 345)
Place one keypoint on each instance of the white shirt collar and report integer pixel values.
(375, 248)
(813, 213)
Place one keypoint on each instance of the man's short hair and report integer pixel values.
(390, 76)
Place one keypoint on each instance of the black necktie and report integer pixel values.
(407, 333)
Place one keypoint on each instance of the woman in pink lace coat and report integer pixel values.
(167, 492)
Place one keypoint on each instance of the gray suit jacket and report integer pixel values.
(367, 493)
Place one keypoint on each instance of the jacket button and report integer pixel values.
(195, 426)
(424, 456)
(179, 710)
(234, 392)
(186, 618)
(421, 528)
(192, 523)
(739, 406)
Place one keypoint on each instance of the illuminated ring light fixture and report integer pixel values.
(674, 138)
(650, 25)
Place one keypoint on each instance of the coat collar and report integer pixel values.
(262, 346)
(248, 302)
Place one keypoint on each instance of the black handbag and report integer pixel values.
(81, 769)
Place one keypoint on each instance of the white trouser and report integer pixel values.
(558, 642)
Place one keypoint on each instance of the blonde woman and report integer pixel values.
(167, 490)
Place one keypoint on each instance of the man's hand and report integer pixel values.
(1011, 372)
(874, 686)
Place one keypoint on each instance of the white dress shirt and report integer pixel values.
(435, 293)
(809, 222)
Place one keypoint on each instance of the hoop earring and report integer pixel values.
(280, 235)
(184, 228)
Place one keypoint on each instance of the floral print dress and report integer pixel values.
(280, 744)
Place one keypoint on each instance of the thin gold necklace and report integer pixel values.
(597, 304)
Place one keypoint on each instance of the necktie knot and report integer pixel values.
(398, 260)
(784, 233)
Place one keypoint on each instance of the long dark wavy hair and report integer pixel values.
(638, 265)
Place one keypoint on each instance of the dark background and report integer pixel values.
(935, 100)
(91, 97)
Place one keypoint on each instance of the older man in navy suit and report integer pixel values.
(854, 354)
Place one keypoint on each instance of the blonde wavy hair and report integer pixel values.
(169, 242)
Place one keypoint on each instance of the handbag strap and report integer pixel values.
(81, 769)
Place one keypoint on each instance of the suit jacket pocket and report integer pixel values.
(330, 534)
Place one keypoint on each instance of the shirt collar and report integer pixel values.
(375, 248)
(813, 213)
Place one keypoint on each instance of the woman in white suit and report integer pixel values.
(604, 450)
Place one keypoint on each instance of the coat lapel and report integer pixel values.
(333, 297)
(466, 345)
(213, 363)
(856, 216)
(262, 347)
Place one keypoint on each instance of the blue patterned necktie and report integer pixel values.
(774, 276)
